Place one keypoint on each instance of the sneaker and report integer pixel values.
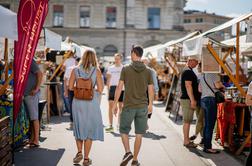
(126, 158)
(135, 163)
(77, 158)
(109, 129)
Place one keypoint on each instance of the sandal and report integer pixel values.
(211, 151)
(193, 137)
(78, 158)
(190, 145)
(33, 145)
(87, 162)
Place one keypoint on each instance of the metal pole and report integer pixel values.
(237, 51)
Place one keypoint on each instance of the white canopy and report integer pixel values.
(156, 51)
(243, 44)
(190, 47)
(52, 40)
(8, 28)
(80, 49)
(173, 42)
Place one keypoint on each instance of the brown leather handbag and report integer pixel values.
(84, 88)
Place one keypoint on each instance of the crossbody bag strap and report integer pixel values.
(91, 76)
(208, 84)
(78, 72)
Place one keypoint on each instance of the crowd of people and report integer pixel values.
(131, 91)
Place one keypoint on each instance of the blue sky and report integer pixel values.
(230, 8)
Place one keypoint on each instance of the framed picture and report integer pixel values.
(209, 64)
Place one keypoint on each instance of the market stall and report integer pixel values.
(8, 33)
(232, 114)
(55, 59)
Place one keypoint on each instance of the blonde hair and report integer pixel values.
(88, 60)
(119, 55)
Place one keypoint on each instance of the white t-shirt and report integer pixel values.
(68, 73)
(115, 73)
(70, 62)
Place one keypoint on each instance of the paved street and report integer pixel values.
(162, 146)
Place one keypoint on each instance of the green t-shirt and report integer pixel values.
(136, 78)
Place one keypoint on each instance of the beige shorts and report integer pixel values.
(187, 110)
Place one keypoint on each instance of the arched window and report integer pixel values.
(109, 50)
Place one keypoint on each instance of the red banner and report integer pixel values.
(31, 17)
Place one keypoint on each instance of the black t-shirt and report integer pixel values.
(189, 75)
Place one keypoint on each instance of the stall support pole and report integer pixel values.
(60, 65)
(227, 54)
(237, 51)
(217, 58)
(6, 68)
(238, 152)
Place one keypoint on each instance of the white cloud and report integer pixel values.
(198, 1)
(233, 15)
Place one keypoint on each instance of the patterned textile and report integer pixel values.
(22, 122)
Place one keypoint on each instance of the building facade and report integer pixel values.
(202, 21)
(112, 26)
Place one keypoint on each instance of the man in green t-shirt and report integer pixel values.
(136, 79)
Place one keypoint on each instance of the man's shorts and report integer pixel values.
(111, 96)
(31, 106)
(187, 110)
(138, 115)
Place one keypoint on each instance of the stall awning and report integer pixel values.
(224, 26)
(243, 44)
(8, 28)
(156, 52)
(52, 40)
(173, 42)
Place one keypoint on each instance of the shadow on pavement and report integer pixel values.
(119, 135)
(59, 120)
(38, 157)
(42, 139)
(153, 136)
(217, 159)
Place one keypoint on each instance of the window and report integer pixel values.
(187, 20)
(58, 18)
(84, 16)
(154, 18)
(109, 50)
(199, 20)
(111, 17)
(5, 5)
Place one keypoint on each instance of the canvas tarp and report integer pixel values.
(200, 37)
(8, 28)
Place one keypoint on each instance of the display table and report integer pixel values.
(22, 122)
(230, 114)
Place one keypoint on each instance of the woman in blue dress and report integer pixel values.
(87, 118)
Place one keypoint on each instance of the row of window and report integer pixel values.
(111, 13)
(200, 20)
(197, 20)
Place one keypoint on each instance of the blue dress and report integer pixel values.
(87, 117)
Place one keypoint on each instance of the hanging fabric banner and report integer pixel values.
(31, 17)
